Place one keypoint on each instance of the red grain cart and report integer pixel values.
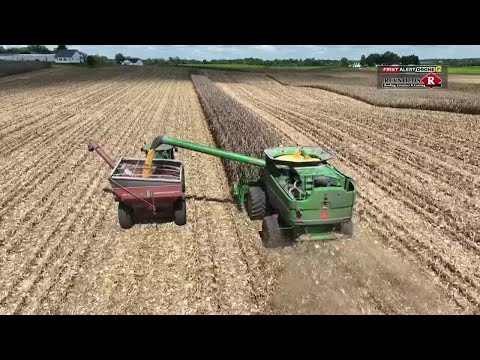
(161, 194)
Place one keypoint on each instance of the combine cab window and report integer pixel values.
(349, 185)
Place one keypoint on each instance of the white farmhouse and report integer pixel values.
(132, 62)
(28, 57)
(356, 65)
(70, 57)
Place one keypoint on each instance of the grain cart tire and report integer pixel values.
(180, 212)
(347, 228)
(256, 203)
(273, 236)
(125, 216)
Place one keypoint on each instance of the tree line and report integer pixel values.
(251, 61)
(388, 58)
(246, 61)
(455, 62)
(31, 49)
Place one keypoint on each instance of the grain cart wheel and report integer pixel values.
(347, 228)
(256, 203)
(180, 212)
(273, 236)
(125, 216)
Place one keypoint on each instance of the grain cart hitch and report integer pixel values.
(151, 187)
(300, 196)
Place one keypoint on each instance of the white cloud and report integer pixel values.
(216, 49)
(316, 49)
(268, 48)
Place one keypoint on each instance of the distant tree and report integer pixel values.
(363, 60)
(2, 50)
(61, 47)
(102, 60)
(160, 61)
(344, 61)
(91, 61)
(409, 60)
(19, 50)
(39, 49)
(390, 58)
(406, 60)
(119, 58)
(373, 59)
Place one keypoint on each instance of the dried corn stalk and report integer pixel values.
(234, 128)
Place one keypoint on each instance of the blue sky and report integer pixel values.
(209, 52)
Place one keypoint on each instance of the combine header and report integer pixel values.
(299, 195)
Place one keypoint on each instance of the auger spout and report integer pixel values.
(208, 150)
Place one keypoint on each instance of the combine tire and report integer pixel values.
(256, 203)
(180, 212)
(125, 216)
(347, 228)
(273, 236)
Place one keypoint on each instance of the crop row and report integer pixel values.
(459, 98)
(234, 127)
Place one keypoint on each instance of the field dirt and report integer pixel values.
(464, 79)
(19, 67)
(62, 251)
(417, 171)
(462, 95)
(354, 276)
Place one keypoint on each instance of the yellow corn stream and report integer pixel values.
(147, 170)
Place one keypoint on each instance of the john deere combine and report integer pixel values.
(299, 195)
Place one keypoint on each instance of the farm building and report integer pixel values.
(70, 57)
(133, 62)
(28, 57)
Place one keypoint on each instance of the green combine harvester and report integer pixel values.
(298, 197)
